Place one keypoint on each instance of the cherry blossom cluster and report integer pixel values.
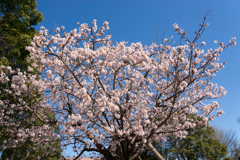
(114, 98)
(23, 110)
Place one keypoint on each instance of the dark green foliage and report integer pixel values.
(199, 144)
(17, 18)
(228, 158)
(28, 150)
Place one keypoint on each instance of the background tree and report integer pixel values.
(229, 138)
(17, 21)
(200, 143)
(17, 18)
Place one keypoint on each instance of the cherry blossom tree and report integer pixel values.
(114, 98)
(24, 113)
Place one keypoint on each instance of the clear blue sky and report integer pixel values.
(135, 20)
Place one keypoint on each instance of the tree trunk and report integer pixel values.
(154, 151)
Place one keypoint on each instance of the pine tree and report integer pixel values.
(199, 144)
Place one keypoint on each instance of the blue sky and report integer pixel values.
(135, 20)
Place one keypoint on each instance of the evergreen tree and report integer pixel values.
(199, 144)
(17, 18)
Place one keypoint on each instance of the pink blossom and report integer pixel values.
(203, 43)
(57, 29)
(106, 93)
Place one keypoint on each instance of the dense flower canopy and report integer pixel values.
(24, 109)
(113, 97)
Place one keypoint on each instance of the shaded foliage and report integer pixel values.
(17, 18)
(199, 144)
